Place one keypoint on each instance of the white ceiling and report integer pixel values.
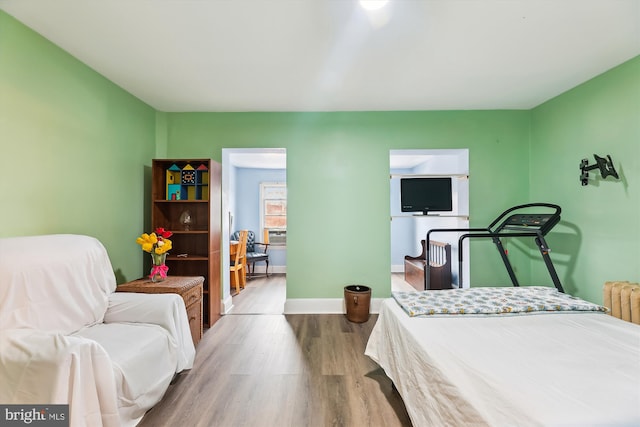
(331, 55)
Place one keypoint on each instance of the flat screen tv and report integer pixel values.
(426, 195)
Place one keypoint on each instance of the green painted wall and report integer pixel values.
(75, 149)
(78, 150)
(600, 236)
(338, 182)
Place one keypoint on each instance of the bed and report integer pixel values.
(512, 367)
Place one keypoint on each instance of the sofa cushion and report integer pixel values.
(256, 256)
(37, 367)
(143, 358)
(58, 283)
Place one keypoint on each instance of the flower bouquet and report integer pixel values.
(158, 245)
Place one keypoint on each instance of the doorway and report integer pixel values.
(409, 228)
(246, 173)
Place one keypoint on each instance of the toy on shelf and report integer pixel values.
(173, 182)
(187, 182)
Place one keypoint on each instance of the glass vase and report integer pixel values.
(158, 267)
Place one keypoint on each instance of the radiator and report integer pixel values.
(623, 300)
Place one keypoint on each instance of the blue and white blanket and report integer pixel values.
(484, 301)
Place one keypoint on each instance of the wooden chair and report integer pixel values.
(238, 262)
(256, 251)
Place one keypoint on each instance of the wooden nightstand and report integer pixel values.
(189, 288)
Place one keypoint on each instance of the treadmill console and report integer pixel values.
(522, 222)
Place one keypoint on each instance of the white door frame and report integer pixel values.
(230, 159)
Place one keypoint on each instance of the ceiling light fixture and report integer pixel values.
(373, 4)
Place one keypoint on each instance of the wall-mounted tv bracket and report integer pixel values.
(604, 164)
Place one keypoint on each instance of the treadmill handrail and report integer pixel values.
(455, 230)
(495, 235)
(558, 211)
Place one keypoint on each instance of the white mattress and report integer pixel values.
(557, 369)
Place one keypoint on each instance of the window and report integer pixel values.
(273, 211)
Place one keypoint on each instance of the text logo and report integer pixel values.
(34, 415)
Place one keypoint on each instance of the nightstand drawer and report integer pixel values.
(192, 296)
(194, 314)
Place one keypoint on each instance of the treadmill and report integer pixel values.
(511, 223)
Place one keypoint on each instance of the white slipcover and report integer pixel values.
(66, 337)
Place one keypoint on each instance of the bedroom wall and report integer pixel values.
(599, 238)
(75, 149)
(338, 182)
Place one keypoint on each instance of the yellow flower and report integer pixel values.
(163, 246)
(155, 243)
(147, 241)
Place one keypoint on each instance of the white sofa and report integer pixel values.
(66, 336)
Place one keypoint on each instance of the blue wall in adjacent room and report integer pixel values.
(247, 205)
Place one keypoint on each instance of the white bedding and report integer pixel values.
(556, 369)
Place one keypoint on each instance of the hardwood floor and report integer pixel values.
(261, 295)
(398, 283)
(275, 370)
(264, 295)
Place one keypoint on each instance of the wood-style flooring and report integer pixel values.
(275, 370)
(261, 295)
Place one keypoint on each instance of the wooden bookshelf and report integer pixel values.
(196, 245)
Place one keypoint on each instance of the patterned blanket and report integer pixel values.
(484, 301)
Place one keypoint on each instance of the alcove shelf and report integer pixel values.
(431, 216)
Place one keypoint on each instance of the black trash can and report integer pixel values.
(357, 299)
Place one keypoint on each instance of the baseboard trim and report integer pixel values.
(397, 268)
(227, 305)
(277, 269)
(324, 306)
